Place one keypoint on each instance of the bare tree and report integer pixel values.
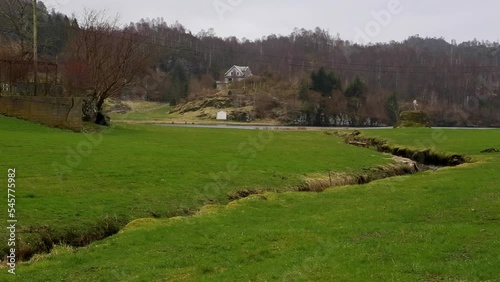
(16, 21)
(102, 60)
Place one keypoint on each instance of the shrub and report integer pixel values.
(414, 119)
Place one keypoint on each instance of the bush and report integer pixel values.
(414, 119)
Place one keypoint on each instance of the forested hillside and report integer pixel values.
(456, 83)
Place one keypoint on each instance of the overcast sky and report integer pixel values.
(362, 21)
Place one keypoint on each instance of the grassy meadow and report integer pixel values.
(434, 226)
(142, 111)
(77, 187)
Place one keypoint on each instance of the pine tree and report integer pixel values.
(356, 89)
(179, 87)
(392, 107)
(325, 82)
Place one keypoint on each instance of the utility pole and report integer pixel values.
(35, 48)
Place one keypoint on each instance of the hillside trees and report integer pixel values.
(440, 74)
(16, 28)
(179, 84)
(319, 101)
(16, 19)
(53, 32)
(355, 94)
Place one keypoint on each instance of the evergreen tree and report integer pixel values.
(392, 107)
(179, 87)
(356, 89)
(325, 82)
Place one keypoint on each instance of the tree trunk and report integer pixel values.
(89, 109)
(92, 111)
(99, 104)
(101, 118)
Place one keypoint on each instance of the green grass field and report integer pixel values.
(78, 187)
(144, 111)
(433, 226)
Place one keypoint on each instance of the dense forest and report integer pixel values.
(457, 84)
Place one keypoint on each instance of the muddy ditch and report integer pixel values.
(425, 157)
(400, 167)
(33, 240)
(406, 161)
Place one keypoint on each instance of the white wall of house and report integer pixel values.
(237, 73)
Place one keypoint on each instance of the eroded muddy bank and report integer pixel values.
(401, 166)
(428, 157)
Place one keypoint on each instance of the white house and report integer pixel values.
(237, 73)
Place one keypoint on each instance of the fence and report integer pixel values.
(16, 78)
(53, 111)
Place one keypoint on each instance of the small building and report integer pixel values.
(237, 73)
(222, 115)
(234, 74)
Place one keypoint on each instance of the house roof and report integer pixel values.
(242, 69)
